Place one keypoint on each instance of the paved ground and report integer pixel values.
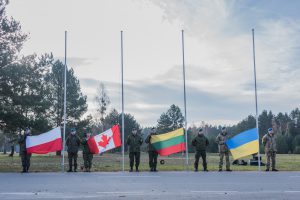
(161, 185)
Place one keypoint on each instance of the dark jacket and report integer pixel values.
(148, 141)
(22, 143)
(134, 142)
(73, 143)
(85, 146)
(200, 142)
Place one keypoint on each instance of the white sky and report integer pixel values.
(218, 47)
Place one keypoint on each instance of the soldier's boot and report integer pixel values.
(24, 170)
(137, 168)
(131, 169)
(195, 167)
(70, 170)
(154, 169)
(274, 170)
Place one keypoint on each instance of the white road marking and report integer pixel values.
(291, 191)
(217, 192)
(294, 176)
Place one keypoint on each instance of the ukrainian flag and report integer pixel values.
(244, 144)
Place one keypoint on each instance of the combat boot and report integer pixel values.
(274, 170)
(137, 169)
(196, 169)
(131, 169)
(70, 170)
(155, 170)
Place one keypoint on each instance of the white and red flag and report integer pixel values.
(105, 141)
(45, 142)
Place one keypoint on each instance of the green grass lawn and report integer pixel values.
(113, 162)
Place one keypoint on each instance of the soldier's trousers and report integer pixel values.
(134, 156)
(201, 154)
(226, 154)
(72, 156)
(87, 158)
(25, 158)
(153, 159)
(271, 156)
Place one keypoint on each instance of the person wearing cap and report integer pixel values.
(151, 151)
(269, 142)
(73, 143)
(86, 153)
(223, 149)
(25, 157)
(200, 142)
(134, 141)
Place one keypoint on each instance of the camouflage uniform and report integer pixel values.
(73, 143)
(270, 149)
(134, 142)
(25, 157)
(152, 153)
(223, 150)
(200, 143)
(87, 155)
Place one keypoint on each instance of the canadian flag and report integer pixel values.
(105, 141)
(45, 142)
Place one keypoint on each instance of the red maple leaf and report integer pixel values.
(104, 141)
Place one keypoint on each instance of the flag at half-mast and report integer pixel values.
(244, 144)
(105, 141)
(169, 143)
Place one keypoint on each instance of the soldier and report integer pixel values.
(223, 149)
(134, 141)
(25, 157)
(200, 142)
(73, 143)
(270, 149)
(87, 155)
(151, 151)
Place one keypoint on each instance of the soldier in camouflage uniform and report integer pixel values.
(87, 155)
(200, 142)
(152, 152)
(270, 149)
(73, 143)
(223, 149)
(25, 157)
(134, 141)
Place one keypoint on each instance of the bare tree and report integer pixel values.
(102, 101)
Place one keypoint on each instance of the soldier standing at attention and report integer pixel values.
(25, 157)
(270, 149)
(151, 151)
(73, 143)
(200, 142)
(134, 141)
(223, 149)
(87, 155)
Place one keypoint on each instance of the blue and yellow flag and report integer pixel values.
(244, 144)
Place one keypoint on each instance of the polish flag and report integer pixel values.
(45, 142)
(105, 141)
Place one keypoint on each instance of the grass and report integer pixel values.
(113, 162)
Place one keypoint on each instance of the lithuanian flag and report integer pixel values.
(169, 143)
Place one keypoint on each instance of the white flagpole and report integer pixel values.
(65, 105)
(123, 124)
(256, 107)
(184, 91)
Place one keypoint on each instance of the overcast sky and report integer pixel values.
(218, 44)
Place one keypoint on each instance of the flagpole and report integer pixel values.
(256, 107)
(184, 91)
(65, 105)
(123, 125)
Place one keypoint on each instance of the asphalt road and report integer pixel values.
(145, 185)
